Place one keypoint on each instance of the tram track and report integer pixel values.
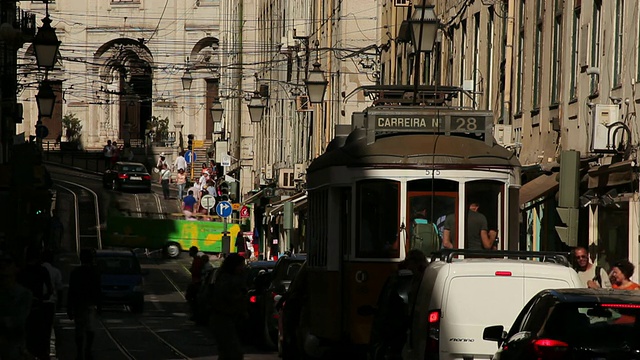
(86, 214)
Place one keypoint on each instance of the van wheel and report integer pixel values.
(172, 250)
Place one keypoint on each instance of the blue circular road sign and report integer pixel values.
(224, 209)
(187, 156)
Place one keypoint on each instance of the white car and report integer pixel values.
(458, 298)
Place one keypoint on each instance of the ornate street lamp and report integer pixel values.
(216, 111)
(187, 79)
(316, 84)
(46, 44)
(256, 107)
(45, 99)
(424, 27)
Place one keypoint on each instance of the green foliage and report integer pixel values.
(73, 127)
(159, 127)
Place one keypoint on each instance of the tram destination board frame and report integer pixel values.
(473, 123)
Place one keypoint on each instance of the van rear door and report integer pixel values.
(542, 276)
(473, 302)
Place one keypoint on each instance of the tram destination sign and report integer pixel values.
(448, 122)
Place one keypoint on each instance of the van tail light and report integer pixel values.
(503, 273)
(123, 176)
(146, 177)
(550, 349)
(433, 335)
(253, 299)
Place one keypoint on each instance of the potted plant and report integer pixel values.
(159, 128)
(73, 132)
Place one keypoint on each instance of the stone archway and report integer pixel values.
(126, 66)
(206, 60)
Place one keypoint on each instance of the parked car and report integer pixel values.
(458, 298)
(127, 175)
(284, 271)
(573, 324)
(122, 278)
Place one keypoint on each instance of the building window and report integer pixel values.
(521, 27)
(556, 72)
(575, 40)
(411, 58)
(537, 60)
(487, 81)
(426, 66)
(619, 32)
(449, 75)
(595, 44)
(638, 53)
(399, 70)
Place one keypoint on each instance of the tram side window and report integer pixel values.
(378, 219)
(484, 203)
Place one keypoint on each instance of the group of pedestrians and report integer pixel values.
(113, 153)
(595, 276)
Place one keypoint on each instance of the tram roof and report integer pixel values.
(408, 150)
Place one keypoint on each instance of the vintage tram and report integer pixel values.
(364, 191)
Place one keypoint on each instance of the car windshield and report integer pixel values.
(118, 265)
(595, 325)
(133, 168)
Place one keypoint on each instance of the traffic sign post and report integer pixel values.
(208, 201)
(224, 209)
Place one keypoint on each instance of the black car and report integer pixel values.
(285, 270)
(259, 275)
(121, 278)
(573, 324)
(127, 175)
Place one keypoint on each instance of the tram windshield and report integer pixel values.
(379, 219)
(435, 213)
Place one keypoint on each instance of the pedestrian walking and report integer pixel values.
(161, 162)
(50, 305)
(180, 162)
(593, 276)
(36, 279)
(621, 273)
(107, 151)
(197, 264)
(165, 178)
(229, 307)
(57, 230)
(15, 303)
(115, 157)
(83, 302)
(181, 182)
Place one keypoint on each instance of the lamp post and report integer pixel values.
(216, 111)
(187, 79)
(45, 99)
(424, 27)
(316, 84)
(46, 43)
(256, 107)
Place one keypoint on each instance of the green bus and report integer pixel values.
(170, 235)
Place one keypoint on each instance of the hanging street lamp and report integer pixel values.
(316, 84)
(187, 79)
(46, 45)
(45, 99)
(216, 111)
(256, 107)
(424, 27)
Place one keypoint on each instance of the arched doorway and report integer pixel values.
(206, 60)
(126, 66)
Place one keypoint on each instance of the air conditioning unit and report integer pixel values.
(302, 102)
(268, 171)
(605, 137)
(402, 3)
(288, 43)
(502, 133)
(299, 172)
(286, 179)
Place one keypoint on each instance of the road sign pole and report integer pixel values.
(191, 156)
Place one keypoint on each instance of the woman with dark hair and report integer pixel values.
(621, 273)
(229, 306)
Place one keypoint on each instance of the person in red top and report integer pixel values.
(621, 273)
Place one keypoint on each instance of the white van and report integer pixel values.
(458, 298)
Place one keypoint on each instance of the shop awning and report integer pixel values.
(253, 198)
(537, 188)
(611, 175)
(278, 207)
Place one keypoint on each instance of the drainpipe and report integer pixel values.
(508, 56)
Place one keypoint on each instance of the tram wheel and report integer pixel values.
(172, 250)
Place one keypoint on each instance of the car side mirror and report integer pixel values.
(494, 333)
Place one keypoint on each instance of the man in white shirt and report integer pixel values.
(180, 162)
(592, 276)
